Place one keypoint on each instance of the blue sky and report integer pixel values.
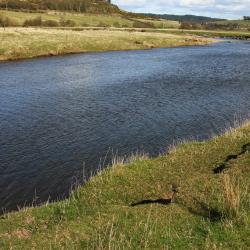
(231, 9)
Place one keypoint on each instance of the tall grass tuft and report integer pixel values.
(122, 160)
(232, 196)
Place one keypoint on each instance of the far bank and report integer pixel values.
(24, 43)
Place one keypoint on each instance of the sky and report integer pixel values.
(230, 9)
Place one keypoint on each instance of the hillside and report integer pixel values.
(59, 18)
(127, 206)
(183, 18)
(81, 6)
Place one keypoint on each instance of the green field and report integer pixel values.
(211, 211)
(20, 43)
(92, 20)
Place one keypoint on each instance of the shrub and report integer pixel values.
(125, 26)
(7, 22)
(116, 25)
(138, 24)
(196, 26)
(50, 23)
(37, 21)
(186, 26)
(67, 23)
(101, 24)
(84, 25)
(160, 26)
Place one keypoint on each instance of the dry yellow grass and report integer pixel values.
(19, 43)
(231, 195)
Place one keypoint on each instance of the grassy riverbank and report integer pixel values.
(19, 43)
(237, 34)
(211, 211)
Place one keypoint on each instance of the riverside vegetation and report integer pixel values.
(211, 209)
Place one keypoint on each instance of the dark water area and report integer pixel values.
(60, 116)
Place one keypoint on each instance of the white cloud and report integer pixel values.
(196, 2)
(215, 8)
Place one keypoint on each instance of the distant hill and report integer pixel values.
(89, 6)
(184, 18)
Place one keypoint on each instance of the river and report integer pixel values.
(63, 117)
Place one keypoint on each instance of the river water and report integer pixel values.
(63, 117)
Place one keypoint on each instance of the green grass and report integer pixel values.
(99, 216)
(92, 20)
(18, 43)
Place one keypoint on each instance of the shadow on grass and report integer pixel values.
(204, 210)
(158, 201)
(163, 201)
(223, 166)
(199, 208)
